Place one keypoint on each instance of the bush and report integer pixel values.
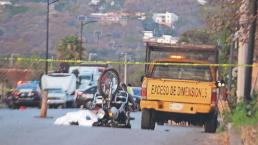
(245, 114)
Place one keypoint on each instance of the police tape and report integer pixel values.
(73, 61)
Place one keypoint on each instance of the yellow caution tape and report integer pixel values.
(22, 59)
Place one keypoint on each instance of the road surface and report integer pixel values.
(23, 127)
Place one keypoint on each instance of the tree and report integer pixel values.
(229, 17)
(222, 15)
(196, 37)
(69, 48)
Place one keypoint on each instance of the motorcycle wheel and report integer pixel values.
(107, 77)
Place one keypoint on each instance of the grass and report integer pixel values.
(245, 114)
(242, 114)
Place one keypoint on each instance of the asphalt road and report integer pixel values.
(23, 127)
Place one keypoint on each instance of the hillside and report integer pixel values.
(23, 25)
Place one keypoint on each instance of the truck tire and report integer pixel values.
(211, 124)
(148, 119)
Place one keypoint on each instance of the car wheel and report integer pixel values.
(65, 105)
(128, 126)
(61, 106)
(148, 119)
(160, 123)
(211, 124)
(12, 106)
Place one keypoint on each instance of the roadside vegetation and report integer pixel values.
(241, 114)
(222, 22)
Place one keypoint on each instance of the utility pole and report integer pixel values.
(80, 55)
(250, 51)
(242, 50)
(43, 111)
(125, 71)
(47, 35)
(231, 55)
(84, 21)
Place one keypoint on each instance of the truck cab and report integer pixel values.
(179, 89)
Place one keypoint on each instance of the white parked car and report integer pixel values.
(61, 88)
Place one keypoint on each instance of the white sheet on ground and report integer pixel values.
(82, 117)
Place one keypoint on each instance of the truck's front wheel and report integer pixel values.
(148, 119)
(211, 123)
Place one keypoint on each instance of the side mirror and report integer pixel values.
(220, 83)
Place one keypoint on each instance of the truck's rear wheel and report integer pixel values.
(148, 119)
(211, 124)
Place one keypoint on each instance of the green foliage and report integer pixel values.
(245, 114)
(232, 100)
(14, 10)
(135, 76)
(196, 37)
(224, 42)
(60, 6)
(222, 18)
(69, 48)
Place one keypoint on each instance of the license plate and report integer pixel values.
(176, 106)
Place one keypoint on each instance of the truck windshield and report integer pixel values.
(85, 77)
(182, 72)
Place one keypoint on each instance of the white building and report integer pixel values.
(147, 35)
(166, 39)
(94, 2)
(111, 17)
(167, 18)
(5, 3)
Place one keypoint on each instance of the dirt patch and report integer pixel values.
(249, 135)
(217, 139)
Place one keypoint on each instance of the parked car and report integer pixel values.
(25, 94)
(57, 97)
(61, 88)
(84, 97)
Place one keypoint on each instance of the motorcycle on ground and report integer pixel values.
(114, 109)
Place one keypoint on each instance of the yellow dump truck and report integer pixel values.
(179, 87)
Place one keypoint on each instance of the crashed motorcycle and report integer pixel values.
(115, 109)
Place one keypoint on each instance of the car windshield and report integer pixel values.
(55, 91)
(182, 72)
